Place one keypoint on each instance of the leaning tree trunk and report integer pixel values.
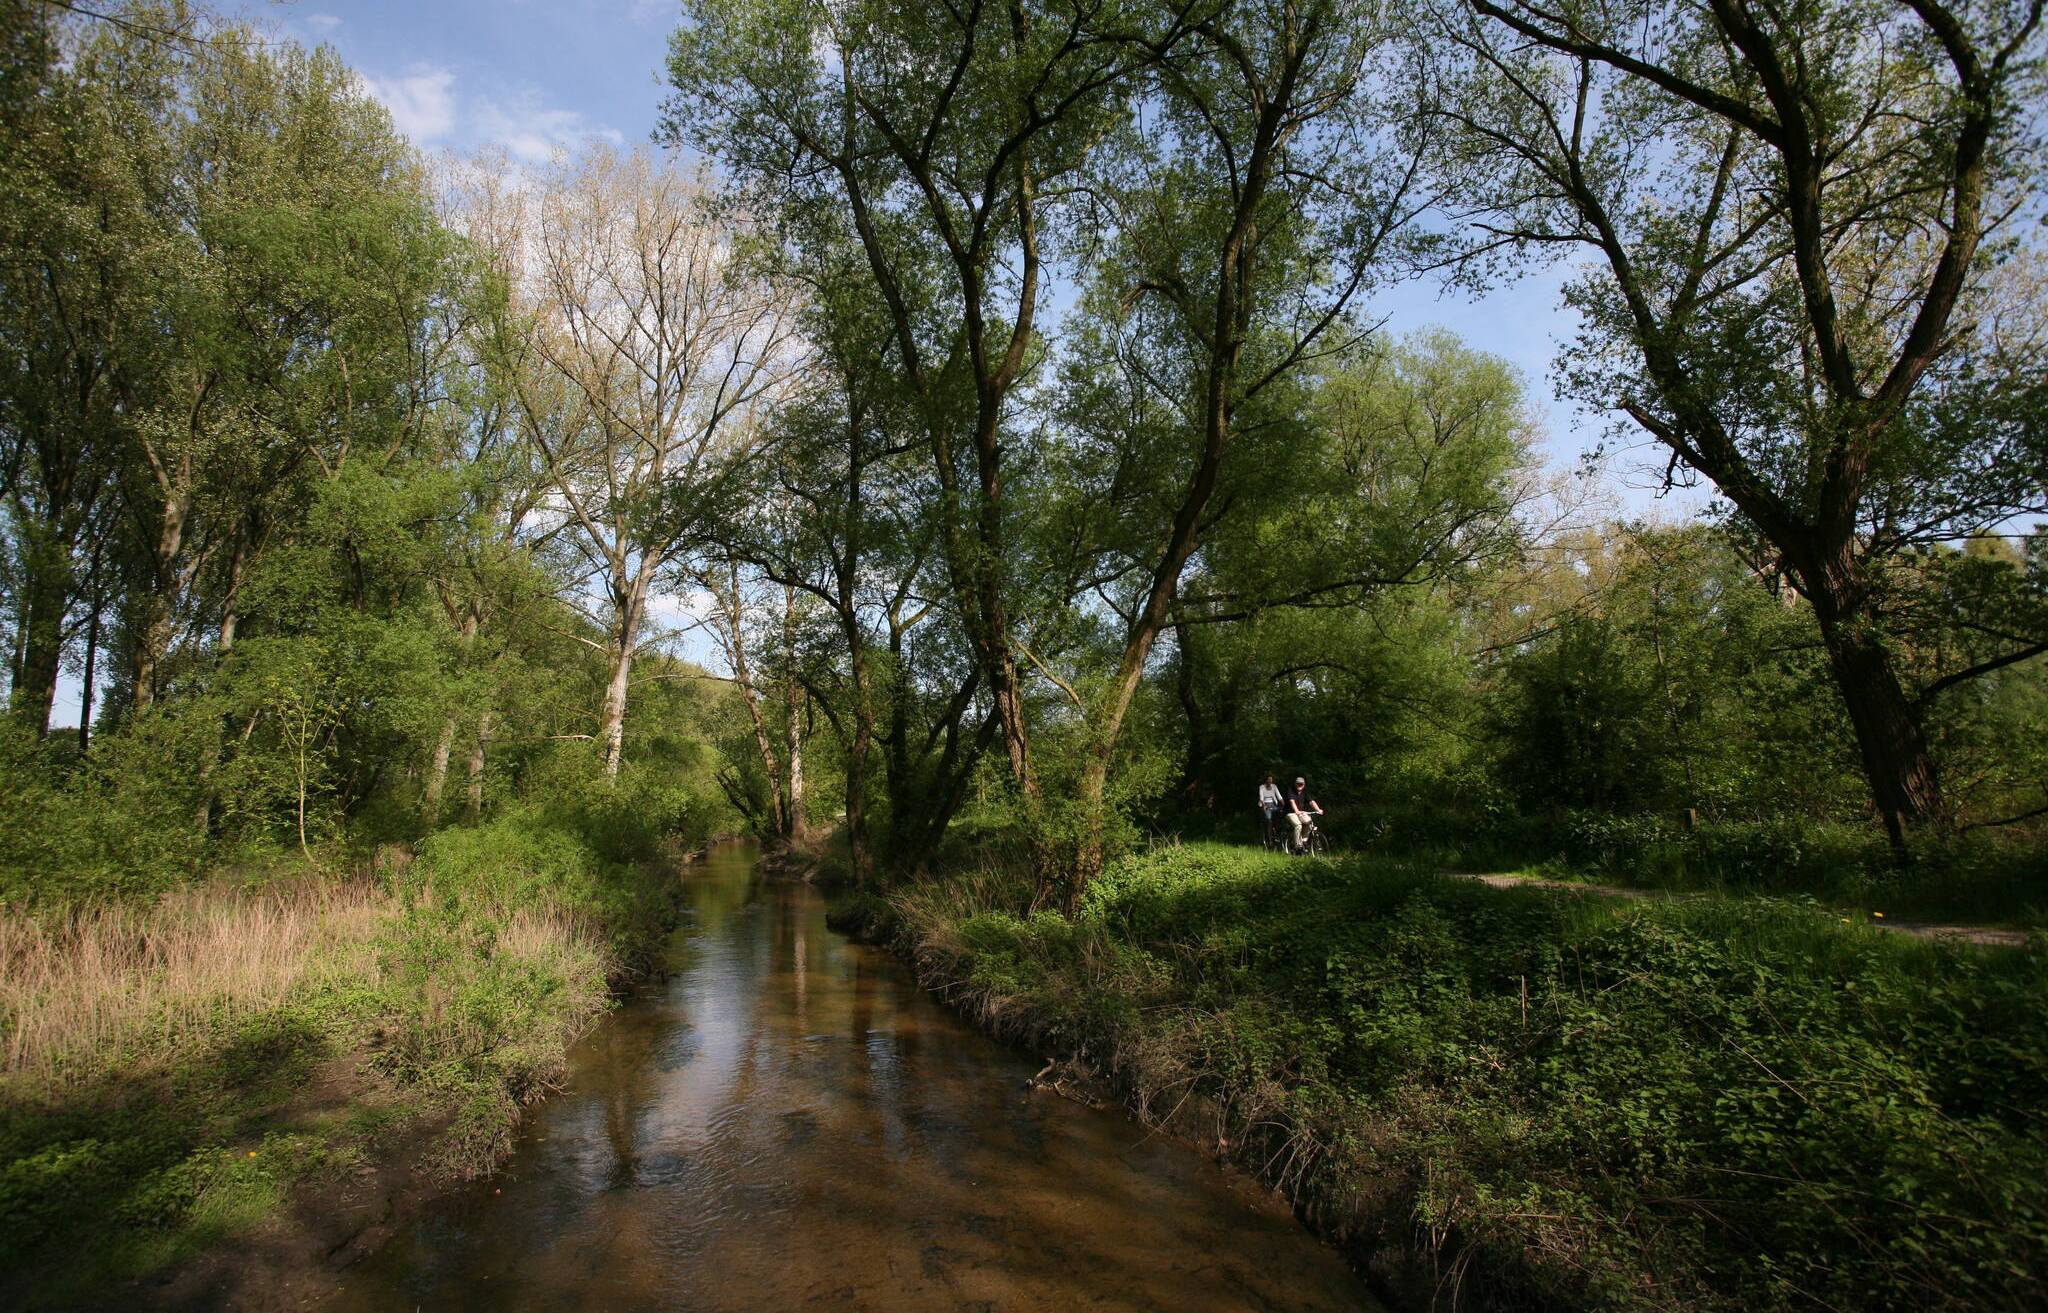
(1889, 736)
(612, 720)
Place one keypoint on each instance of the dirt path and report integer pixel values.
(1966, 934)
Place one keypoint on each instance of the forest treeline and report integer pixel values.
(995, 396)
(1008, 410)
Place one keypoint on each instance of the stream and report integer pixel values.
(788, 1121)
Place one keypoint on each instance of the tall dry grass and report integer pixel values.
(119, 988)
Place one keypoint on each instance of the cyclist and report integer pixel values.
(1302, 807)
(1269, 806)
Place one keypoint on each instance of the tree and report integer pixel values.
(1337, 586)
(1248, 209)
(944, 133)
(86, 252)
(660, 346)
(1795, 220)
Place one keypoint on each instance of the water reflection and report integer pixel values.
(788, 1121)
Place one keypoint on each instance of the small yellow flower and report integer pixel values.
(252, 1153)
(1845, 920)
(1878, 915)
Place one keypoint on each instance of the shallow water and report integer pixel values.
(788, 1121)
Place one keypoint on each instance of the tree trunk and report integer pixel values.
(858, 748)
(793, 727)
(437, 767)
(92, 652)
(1889, 736)
(42, 640)
(437, 771)
(1903, 781)
(476, 765)
(857, 798)
(159, 608)
(238, 565)
(1091, 793)
(771, 769)
(612, 720)
(799, 827)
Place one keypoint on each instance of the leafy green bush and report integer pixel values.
(121, 823)
(1708, 1104)
(524, 858)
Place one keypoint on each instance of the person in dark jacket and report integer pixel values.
(1301, 806)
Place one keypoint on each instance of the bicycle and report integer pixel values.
(1313, 842)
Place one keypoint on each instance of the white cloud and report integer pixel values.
(422, 102)
(531, 133)
(680, 608)
(322, 23)
(426, 106)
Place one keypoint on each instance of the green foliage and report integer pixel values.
(1698, 1105)
(119, 823)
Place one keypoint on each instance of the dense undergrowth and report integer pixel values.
(176, 1068)
(1538, 1101)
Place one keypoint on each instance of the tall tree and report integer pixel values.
(88, 251)
(1250, 207)
(1793, 220)
(944, 132)
(663, 344)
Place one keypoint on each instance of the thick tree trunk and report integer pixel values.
(859, 747)
(437, 766)
(857, 798)
(793, 722)
(159, 608)
(1889, 736)
(1903, 781)
(771, 768)
(612, 718)
(230, 618)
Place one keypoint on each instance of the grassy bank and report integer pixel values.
(1989, 877)
(1544, 1102)
(180, 1072)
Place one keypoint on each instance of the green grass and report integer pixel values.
(1982, 877)
(1578, 1103)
